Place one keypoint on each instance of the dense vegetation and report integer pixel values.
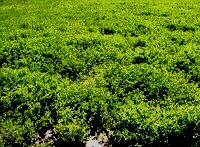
(129, 69)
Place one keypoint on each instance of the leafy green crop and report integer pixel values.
(79, 68)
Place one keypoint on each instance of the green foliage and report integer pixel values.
(79, 68)
(151, 83)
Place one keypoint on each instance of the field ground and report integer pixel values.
(127, 69)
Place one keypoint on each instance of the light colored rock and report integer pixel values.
(93, 143)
